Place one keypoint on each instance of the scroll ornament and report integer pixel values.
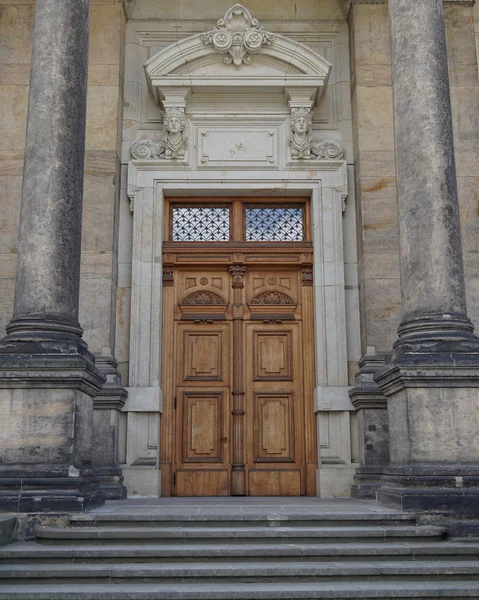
(238, 36)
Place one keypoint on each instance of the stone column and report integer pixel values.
(47, 376)
(432, 375)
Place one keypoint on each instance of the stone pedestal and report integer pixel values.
(432, 375)
(106, 424)
(47, 375)
(373, 427)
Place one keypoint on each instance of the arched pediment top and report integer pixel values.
(237, 52)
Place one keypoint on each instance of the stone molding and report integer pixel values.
(366, 393)
(237, 36)
(346, 5)
(178, 69)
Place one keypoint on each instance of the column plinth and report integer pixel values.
(432, 374)
(48, 377)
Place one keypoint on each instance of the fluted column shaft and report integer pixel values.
(48, 271)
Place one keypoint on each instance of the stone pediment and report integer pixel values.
(238, 54)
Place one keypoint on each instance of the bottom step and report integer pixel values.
(399, 590)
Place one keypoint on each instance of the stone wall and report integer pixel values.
(102, 181)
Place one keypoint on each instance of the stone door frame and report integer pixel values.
(149, 182)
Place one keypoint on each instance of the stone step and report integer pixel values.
(214, 518)
(235, 571)
(399, 590)
(216, 552)
(77, 535)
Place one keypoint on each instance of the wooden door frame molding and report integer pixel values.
(148, 183)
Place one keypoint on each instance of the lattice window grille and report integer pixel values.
(274, 223)
(200, 224)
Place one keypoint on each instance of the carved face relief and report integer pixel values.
(301, 125)
(175, 126)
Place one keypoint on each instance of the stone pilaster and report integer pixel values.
(47, 375)
(106, 426)
(373, 426)
(432, 375)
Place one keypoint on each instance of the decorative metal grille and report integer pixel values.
(274, 223)
(200, 224)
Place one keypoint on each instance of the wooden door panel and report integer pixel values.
(273, 359)
(203, 427)
(212, 482)
(274, 408)
(203, 356)
(203, 409)
(274, 428)
(274, 482)
(204, 352)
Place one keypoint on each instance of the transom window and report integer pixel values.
(274, 223)
(237, 220)
(200, 223)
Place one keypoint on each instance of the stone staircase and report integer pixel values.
(230, 554)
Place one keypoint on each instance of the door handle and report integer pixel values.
(224, 440)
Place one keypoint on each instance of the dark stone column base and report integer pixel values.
(450, 489)
(111, 482)
(37, 489)
(367, 483)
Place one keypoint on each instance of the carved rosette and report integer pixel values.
(168, 277)
(148, 150)
(238, 36)
(238, 272)
(307, 276)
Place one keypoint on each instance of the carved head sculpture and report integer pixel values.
(175, 120)
(301, 120)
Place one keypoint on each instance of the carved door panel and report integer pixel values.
(203, 380)
(202, 409)
(274, 409)
(274, 402)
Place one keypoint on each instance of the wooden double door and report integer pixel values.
(238, 367)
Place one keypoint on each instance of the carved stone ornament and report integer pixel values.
(300, 139)
(238, 36)
(327, 150)
(175, 124)
(238, 273)
(148, 150)
(271, 298)
(202, 298)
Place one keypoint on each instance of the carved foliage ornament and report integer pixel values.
(272, 298)
(238, 36)
(202, 298)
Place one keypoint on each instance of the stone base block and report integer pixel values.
(367, 482)
(335, 480)
(142, 482)
(111, 482)
(38, 489)
(450, 489)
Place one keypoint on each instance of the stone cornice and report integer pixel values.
(346, 5)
